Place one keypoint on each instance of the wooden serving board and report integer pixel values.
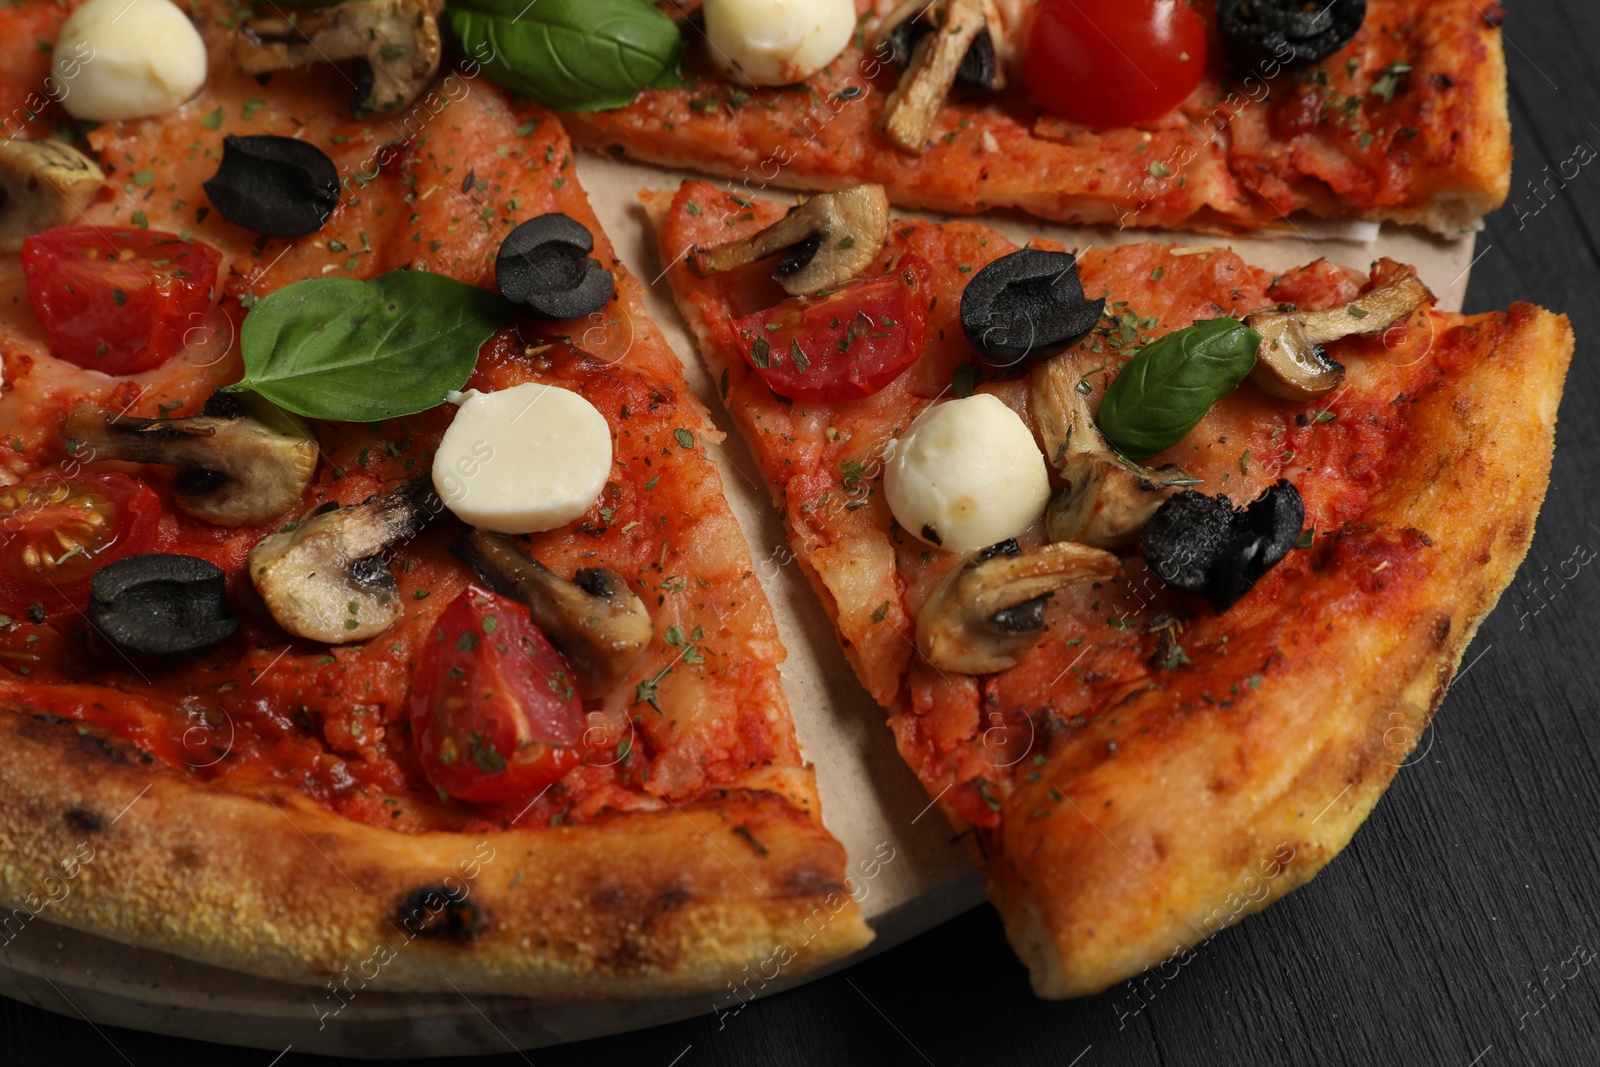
(871, 801)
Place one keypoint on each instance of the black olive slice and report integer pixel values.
(161, 611)
(544, 268)
(1261, 33)
(278, 186)
(1027, 306)
(980, 65)
(1203, 546)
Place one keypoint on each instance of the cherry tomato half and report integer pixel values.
(1114, 62)
(845, 345)
(55, 532)
(118, 301)
(493, 708)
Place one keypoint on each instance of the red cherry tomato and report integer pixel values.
(118, 301)
(843, 346)
(55, 532)
(493, 708)
(1114, 62)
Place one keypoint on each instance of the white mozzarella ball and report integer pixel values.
(966, 475)
(523, 460)
(777, 42)
(127, 59)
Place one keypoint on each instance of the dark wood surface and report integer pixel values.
(1447, 934)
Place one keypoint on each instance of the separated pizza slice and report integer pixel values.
(1095, 112)
(1160, 563)
(398, 693)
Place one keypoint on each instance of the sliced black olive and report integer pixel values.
(1204, 546)
(1027, 306)
(544, 268)
(278, 186)
(980, 64)
(160, 610)
(1261, 33)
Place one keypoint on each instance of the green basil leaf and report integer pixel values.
(1170, 385)
(571, 55)
(354, 351)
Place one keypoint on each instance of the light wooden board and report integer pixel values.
(870, 799)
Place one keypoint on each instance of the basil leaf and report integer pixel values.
(571, 55)
(1170, 385)
(354, 351)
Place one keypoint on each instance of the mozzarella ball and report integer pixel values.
(127, 59)
(777, 42)
(523, 460)
(966, 475)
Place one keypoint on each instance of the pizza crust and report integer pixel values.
(258, 879)
(1189, 827)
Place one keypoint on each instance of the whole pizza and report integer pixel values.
(369, 599)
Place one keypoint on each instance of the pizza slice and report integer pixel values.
(1160, 563)
(308, 673)
(1095, 111)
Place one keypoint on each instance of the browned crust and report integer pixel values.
(637, 904)
(1213, 817)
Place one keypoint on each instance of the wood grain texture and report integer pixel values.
(1426, 942)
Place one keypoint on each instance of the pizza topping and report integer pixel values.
(161, 611)
(523, 460)
(364, 351)
(916, 20)
(1027, 306)
(825, 241)
(1109, 63)
(544, 268)
(966, 474)
(127, 59)
(493, 709)
(118, 301)
(843, 346)
(1167, 388)
(42, 184)
(1106, 499)
(571, 55)
(326, 577)
(990, 610)
(1293, 365)
(279, 186)
(399, 39)
(1204, 546)
(601, 626)
(777, 42)
(234, 469)
(937, 60)
(58, 530)
(1270, 33)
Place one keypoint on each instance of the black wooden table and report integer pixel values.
(1462, 926)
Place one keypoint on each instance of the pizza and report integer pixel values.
(307, 677)
(371, 612)
(1220, 118)
(1159, 563)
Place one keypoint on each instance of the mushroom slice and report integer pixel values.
(936, 62)
(327, 578)
(989, 611)
(599, 624)
(42, 184)
(828, 240)
(235, 468)
(399, 39)
(1106, 499)
(1293, 365)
